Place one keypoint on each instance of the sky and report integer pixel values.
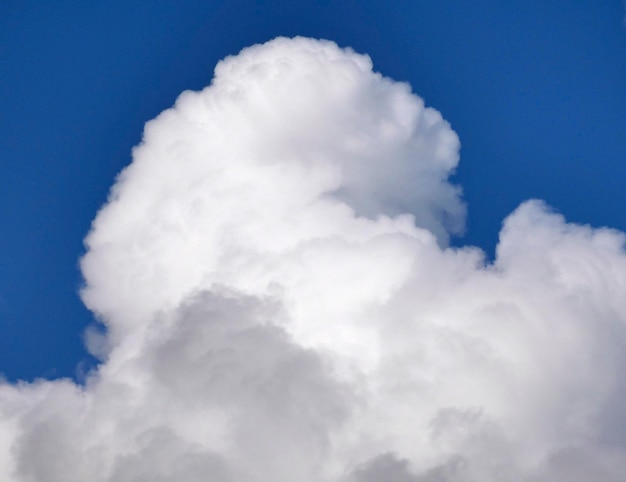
(535, 91)
(231, 253)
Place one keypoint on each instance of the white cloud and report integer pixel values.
(273, 315)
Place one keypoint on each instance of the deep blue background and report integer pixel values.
(535, 89)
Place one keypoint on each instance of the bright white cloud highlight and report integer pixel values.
(274, 314)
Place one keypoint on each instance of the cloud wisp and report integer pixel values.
(281, 304)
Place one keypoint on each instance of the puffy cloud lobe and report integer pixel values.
(272, 313)
(286, 144)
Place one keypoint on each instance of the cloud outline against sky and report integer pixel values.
(280, 303)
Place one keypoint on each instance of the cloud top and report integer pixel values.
(288, 143)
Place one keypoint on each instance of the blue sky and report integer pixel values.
(535, 90)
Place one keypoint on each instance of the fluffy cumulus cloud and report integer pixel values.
(280, 304)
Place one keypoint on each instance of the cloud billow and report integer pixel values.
(280, 304)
